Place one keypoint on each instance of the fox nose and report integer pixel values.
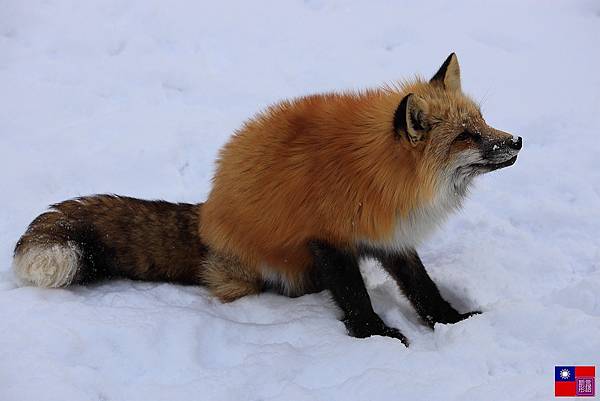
(515, 143)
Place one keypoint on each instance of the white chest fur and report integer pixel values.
(411, 230)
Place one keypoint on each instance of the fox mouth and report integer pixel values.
(491, 166)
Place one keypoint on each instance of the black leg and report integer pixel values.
(412, 278)
(339, 272)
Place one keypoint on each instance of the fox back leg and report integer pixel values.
(228, 279)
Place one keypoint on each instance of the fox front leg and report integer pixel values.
(412, 278)
(339, 273)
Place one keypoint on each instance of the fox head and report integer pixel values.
(446, 130)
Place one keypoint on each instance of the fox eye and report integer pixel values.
(463, 136)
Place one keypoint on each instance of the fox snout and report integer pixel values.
(500, 150)
(491, 148)
(487, 150)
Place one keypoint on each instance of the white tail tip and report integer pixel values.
(47, 266)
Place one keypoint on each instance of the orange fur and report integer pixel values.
(361, 171)
(376, 168)
(227, 279)
(325, 166)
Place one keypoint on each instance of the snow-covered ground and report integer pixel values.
(135, 97)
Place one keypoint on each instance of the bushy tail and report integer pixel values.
(49, 254)
(103, 236)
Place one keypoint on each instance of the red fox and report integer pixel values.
(301, 193)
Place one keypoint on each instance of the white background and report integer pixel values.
(136, 97)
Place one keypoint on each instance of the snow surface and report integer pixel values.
(135, 97)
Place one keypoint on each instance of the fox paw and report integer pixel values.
(450, 317)
(374, 327)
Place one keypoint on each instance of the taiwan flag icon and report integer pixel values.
(574, 381)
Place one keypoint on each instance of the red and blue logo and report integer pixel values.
(574, 381)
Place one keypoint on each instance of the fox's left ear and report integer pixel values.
(409, 119)
(448, 76)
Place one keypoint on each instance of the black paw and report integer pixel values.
(469, 314)
(463, 316)
(373, 327)
(449, 317)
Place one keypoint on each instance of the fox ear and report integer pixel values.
(408, 119)
(448, 76)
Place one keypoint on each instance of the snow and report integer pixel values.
(136, 97)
